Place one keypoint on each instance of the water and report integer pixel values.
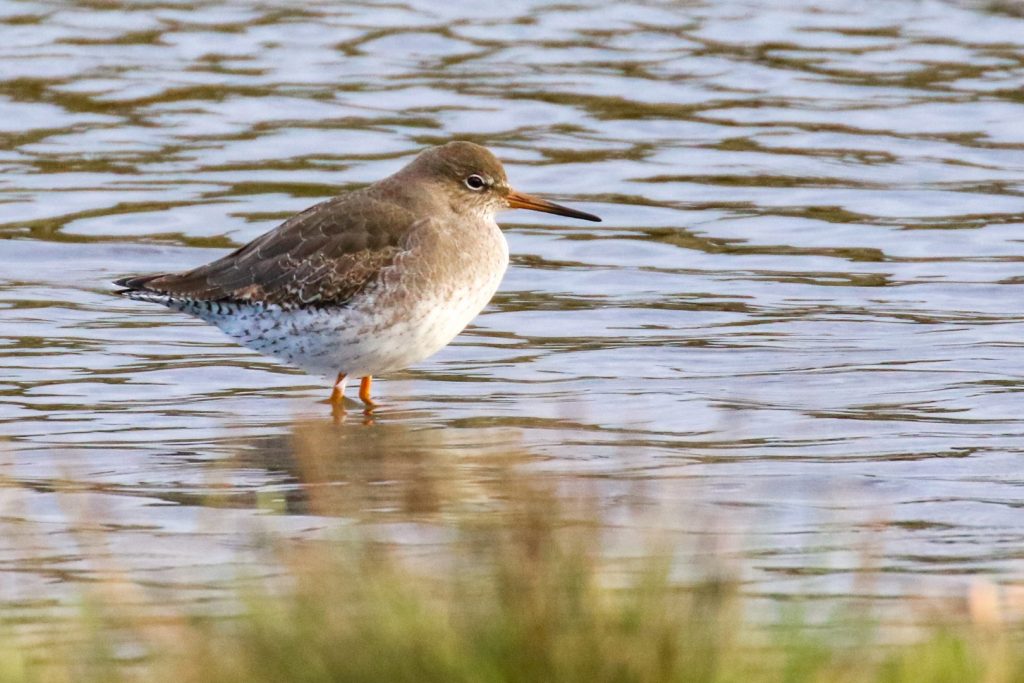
(798, 327)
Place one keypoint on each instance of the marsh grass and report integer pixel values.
(524, 590)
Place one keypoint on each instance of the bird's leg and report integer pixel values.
(364, 391)
(338, 392)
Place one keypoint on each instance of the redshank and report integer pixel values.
(368, 282)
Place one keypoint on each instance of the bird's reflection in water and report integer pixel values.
(375, 467)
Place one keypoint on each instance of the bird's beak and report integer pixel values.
(520, 200)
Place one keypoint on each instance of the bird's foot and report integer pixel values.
(365, 387)
(338, 392)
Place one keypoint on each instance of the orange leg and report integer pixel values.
(338, 392)
(364, 391)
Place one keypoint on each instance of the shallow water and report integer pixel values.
(798, 328)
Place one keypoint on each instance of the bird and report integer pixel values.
(368, 282)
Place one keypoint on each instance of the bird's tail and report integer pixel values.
(137, 287)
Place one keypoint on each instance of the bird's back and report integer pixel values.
(321, 257)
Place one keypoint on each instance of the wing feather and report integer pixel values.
(325, 255)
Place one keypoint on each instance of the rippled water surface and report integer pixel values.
(799, 326)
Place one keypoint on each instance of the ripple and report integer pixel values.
(801, 314)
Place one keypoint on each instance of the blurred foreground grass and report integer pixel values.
(525, 590)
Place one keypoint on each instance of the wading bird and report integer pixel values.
(368, 282)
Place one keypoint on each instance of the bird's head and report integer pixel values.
(475, 181)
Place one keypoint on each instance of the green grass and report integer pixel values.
(524, 591)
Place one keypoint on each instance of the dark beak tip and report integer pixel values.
(583, 215)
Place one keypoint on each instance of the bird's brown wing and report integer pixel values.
(322, 256)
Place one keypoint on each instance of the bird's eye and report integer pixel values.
(475, 182)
